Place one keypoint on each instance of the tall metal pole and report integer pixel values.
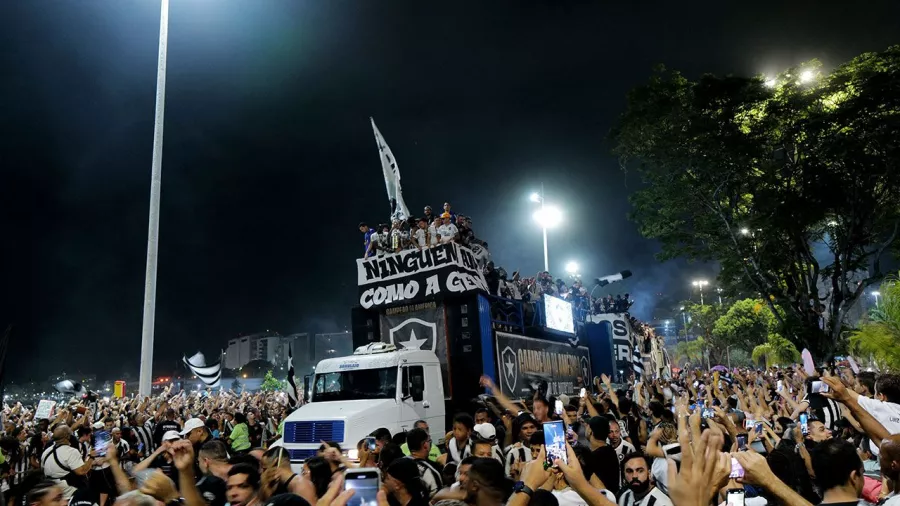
(544, 227)
(701, 294)
(146, 378)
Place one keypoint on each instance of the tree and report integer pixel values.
(776, 351)
(236, 385)
(878, 338)
(270, 383)
(790, 185)
(747, 323)
(691, 351)
(703, 319)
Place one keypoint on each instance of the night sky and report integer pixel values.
(269, 160)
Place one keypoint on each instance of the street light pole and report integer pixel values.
(544, 227)
(146, 374)
(876, 295)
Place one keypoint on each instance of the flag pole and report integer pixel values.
(146, 375)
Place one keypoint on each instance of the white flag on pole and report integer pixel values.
(210, 375)
(391, 177)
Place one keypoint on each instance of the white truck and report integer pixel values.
(378, 386)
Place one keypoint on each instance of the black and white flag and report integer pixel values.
(292, 391)
(637, 364)
(210, 375)
(391, 177)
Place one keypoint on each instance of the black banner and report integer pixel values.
(417, 275)
(523, 362)
(418, 326)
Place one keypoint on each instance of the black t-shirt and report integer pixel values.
(605, 464)
(161, 429)
(255, 432)
(84, 497)
(212, 489)
(167, 467)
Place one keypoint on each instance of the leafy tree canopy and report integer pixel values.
(790, 185)
(747, 324)
(878, 338)
(270, 383)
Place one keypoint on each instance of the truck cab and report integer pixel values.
(378, 386)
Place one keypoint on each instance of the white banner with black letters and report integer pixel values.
(416, 275)
(522, 362)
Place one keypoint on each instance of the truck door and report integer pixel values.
(434, 402)
(412, 395)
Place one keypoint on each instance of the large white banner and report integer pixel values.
(415, 275)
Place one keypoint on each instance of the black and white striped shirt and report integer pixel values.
(654, 498)
(826, 410)
(145, 437)
(431, 477)
(515, 454)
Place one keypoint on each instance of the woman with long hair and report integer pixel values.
(318, 471)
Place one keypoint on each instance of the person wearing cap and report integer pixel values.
(164, 426)
(368, 243)
(485, 437)
(161, 458)
(447, 231)
(404, 483)
(196, 432)
(448, 210)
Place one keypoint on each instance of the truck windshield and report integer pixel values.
(355, 384)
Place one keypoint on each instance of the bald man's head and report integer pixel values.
(890, 457)
(62, 434)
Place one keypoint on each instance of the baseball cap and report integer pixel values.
(98, 425)
(191, 424)
(171, 435)
(445, 215)
(486, 431)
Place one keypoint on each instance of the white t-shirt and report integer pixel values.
(569, 497)
(420, 237)
(432, 232)
(68, 457)
(447, 232)
(892, 500)
(887, 414)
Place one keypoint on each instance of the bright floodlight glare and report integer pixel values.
(807, 76)
(700, 283)
(832, 223)
(571, 267)
(877, 294)
(548, 217)
(771, 82)
(535, 197)
(745, 231)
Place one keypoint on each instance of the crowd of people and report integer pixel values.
(427, 231)
(754, 437)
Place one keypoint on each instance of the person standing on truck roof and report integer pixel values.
(459, 444)
(434, 452)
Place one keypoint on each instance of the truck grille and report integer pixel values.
(314, 432)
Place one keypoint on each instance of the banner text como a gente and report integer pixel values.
(415, 275)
